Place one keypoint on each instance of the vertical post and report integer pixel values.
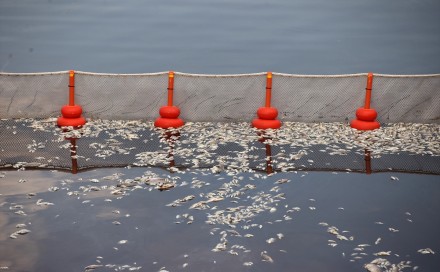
(268, 88)
(368, 90)
(170, 87)
(71, 88)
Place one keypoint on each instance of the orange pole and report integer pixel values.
(170, 87)
(268, 88)
(368, 90)
(71, 88)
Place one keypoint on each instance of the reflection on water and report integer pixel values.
(114, 218)
(367, 159)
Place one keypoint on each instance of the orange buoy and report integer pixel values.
(366, 117)
(267, 115)
(71, 114)
(169, 115)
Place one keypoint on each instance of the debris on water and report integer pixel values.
(394, 178)
(372, 267)
(19, 232)
(265, 257)
(270, 240)
(40, 202)
(383, 253)
(121, 242)
(426, 251)
(92, 267)
(53, 189)
(281, 181)
(248, 263)
(377, 241)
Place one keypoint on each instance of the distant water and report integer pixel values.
(240, 36)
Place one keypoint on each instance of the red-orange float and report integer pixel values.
(364, 114)
(266, 124)
(267, 113)
(365, 117)
(169, 112)
(168, 122)
(74, 111)
(71, 114)
(364, 125)
(71, 122)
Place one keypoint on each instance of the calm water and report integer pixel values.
(240, 36)
(79, 228)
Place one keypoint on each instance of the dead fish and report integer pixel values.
(165, 186)
(372, 268)
(383, 253)
(426, 251)
(19, 232)
(155, 181)
(281, 181)
(92, 267)
(265, 257)
(215, 199)
(270, 240)
(248, 263)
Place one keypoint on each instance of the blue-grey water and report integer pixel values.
(78, 228)
(240, 36)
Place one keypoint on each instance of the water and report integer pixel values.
(82, 221)
(305, 37)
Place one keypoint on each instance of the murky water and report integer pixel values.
(86, 226)
(305, 37)
(82, 223)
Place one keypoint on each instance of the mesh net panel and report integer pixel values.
(317, 99)
(37, 95)
(113, 96)
(407, 98)
(222, 97)
(219, 98)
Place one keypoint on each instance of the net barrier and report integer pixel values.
(222, 98)
(217, 109)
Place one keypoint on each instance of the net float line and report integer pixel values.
(71, 113)
(169, 114)
(267, 115)
(366, 116)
